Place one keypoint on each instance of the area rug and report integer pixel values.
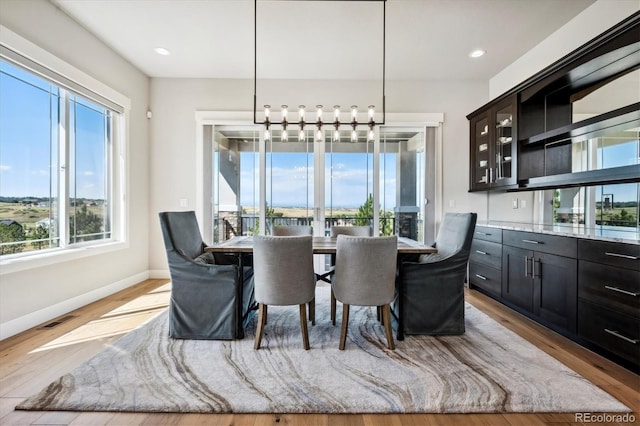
(487, 370)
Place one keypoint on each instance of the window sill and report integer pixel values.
(22, 263)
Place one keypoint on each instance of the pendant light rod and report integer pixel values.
(319, 123)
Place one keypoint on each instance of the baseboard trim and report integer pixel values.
(159, 274)
(33, 319)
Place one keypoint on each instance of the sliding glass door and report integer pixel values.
(258, 184)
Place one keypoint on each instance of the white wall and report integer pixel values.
(30, 297)
(594, 20)
(173, 132)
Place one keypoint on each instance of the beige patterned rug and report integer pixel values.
(487, 370)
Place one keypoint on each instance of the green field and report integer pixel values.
(28, 214)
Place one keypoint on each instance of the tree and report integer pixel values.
(85, 222)
(364, 216)
(39, 233)
(10, 233)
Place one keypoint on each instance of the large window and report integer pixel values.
(57, 145)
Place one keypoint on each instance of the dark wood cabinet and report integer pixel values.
(588, 290)
(541, 281)
(485, 261)
(609, 297)
(493, 146)
(525, 139)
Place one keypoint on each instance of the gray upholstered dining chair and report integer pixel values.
(283, 272)
(293, 230)
(204, 303)
(355, 231)
(433, 301)
(365, 275)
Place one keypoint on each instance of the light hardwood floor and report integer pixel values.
(31, 360)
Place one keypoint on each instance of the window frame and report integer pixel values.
(23, 53)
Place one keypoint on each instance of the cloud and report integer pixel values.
(4, 168)
(86, 173)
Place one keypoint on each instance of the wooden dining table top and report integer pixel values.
(321, 245)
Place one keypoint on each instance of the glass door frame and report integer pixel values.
(204, 183)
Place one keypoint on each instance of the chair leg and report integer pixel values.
(262, 320)
(386, 318)
(379, 314)
(303, 326)
(345, 325)
(312, 311)
(333, 308)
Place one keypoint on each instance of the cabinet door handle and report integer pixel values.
(482, 233)
(526, 266)
(535, 262)
(624, 256)
(531, 242)
(481, 252)
(481, 277)
(620, 336)
(619, 290)
(491, 174)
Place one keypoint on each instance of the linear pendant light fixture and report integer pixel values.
(302, 120)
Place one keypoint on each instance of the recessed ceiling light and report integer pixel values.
(477, 53)
(162, 51)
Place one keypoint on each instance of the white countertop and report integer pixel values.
(604, 233)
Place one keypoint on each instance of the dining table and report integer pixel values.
(242, 246)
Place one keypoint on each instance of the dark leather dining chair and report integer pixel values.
(433, 302)
(204, 303)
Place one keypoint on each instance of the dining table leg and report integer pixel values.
(239, 298)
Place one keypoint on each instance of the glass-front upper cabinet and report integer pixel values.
(493, 143)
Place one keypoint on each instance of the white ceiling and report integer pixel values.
(425, 39)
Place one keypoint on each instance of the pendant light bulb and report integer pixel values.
(301, 136)
(372, 111)
(354, 113)
(319, 135)
(319, 112)
(301, 113)
(267, 111)
(285, 136)
(284, 112)
(372, 135)
(336, 113)
(267, 135)
(336, 135)
(354, 136)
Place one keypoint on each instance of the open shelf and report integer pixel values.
(621, 174)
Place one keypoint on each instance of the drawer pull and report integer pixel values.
(482, 233)
(531, 242)
(481, 277)
(620, 336)
(481, 252)
(619, 290)
(624, 256)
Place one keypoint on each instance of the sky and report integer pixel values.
(28, 135)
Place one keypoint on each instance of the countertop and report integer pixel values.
(603, 233)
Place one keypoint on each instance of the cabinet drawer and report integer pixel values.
(615, 288)
(611, 330)
(488, 233)
(609, 253)
(486, 278)
(553, 244)
(486, 253)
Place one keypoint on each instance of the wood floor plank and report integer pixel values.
(31, 360)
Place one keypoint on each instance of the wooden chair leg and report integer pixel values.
(312, 311)
(303, 326)
(386, 318)
(262, 320)
(333, 308)
(345, 325)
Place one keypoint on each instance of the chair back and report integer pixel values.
(357, 231)
(454, 237)
(181, 233)
(283, 269)
(290, 231)
(365, 270)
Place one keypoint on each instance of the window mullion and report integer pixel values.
(63, 147)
